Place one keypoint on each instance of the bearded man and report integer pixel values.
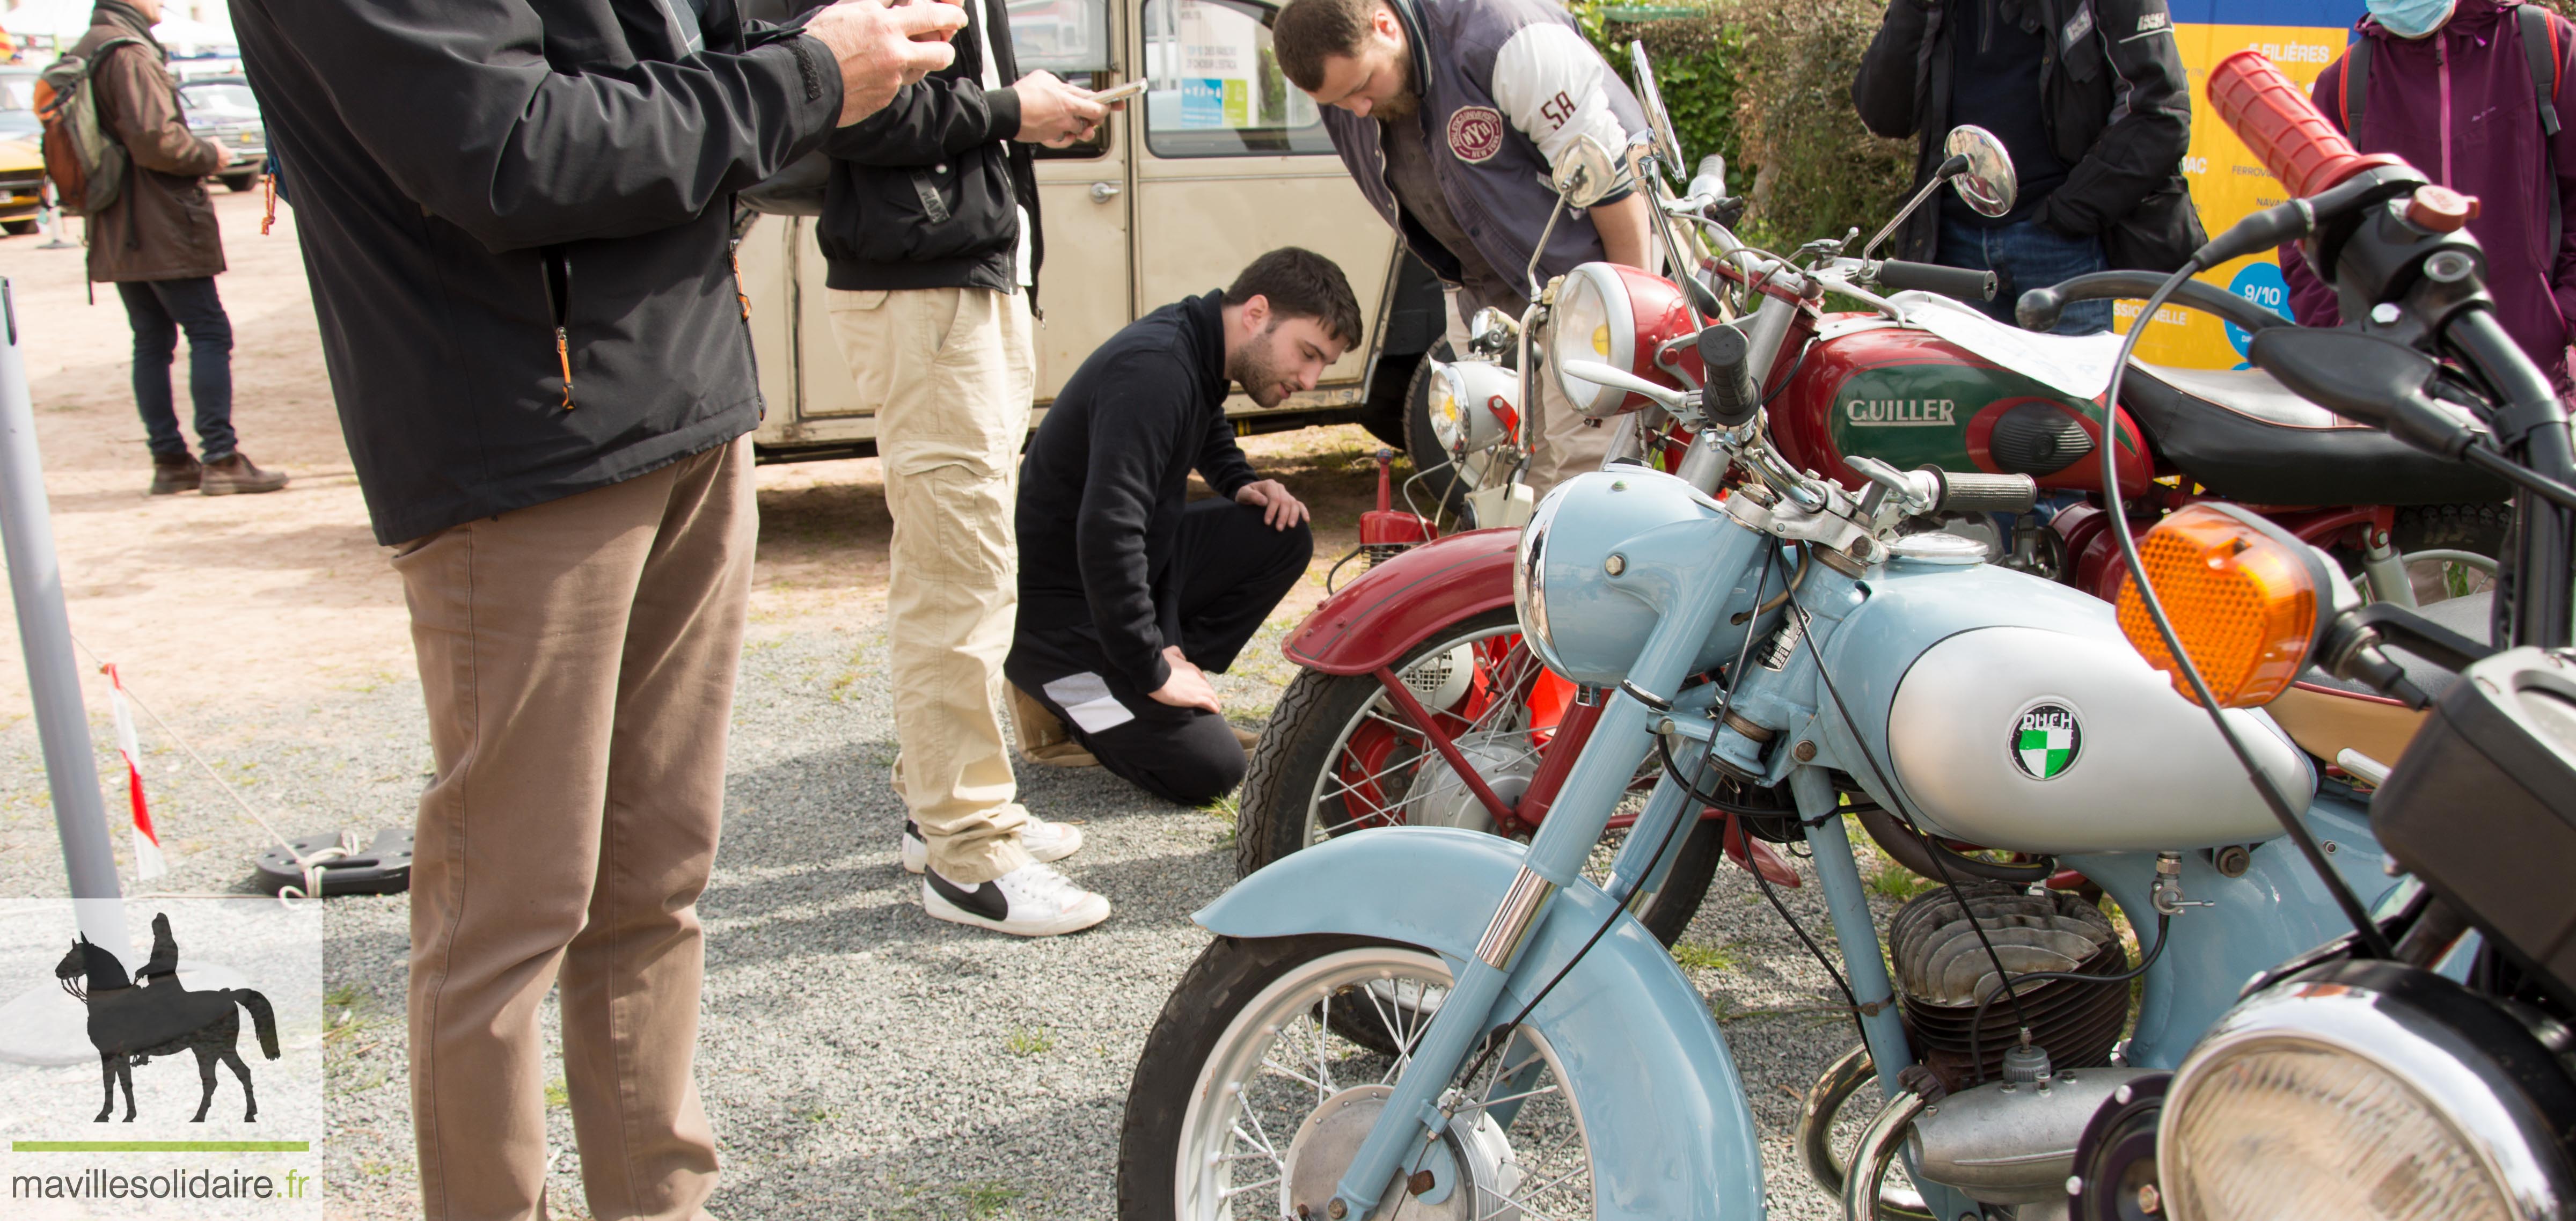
(1130, 592)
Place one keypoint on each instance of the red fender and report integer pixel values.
(1370, 622)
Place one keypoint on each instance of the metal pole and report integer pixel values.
(53, 677)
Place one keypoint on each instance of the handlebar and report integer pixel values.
(2040, 308)
(1973, 492)
(2275, 119)
(1897, 275)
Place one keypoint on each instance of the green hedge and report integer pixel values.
(1767, 83)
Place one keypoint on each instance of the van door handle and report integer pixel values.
(1103, 192)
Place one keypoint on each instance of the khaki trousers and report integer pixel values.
(578, 661)
(1569, 443)
(948, 373)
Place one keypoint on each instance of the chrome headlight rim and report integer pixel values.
(2480, 1073)
(1445, 406)
(1596, 286)
(1529, 581)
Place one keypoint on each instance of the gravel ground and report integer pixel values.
(859, 1059)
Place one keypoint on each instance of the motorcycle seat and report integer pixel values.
(2246, 437)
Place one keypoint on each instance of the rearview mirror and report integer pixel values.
(1989, 183)
(1650, 96)
(1586, 174)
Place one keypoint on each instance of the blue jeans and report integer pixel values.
(159, 310)
(2029, 255)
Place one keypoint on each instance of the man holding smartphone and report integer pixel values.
(930, 231)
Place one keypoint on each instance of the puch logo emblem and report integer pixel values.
(2046, 741)
(1901, 413)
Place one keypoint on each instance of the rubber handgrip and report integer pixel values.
(2286, 131)
(1897, 275)
(1979, 493)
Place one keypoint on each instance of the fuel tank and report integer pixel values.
(2016, 716)
(1871, 387)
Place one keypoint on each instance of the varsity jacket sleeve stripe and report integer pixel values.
(455, 101)
(1547, 81)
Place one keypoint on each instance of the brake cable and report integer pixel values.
(2372, 939)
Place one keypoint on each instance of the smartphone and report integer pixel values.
(1119, 93)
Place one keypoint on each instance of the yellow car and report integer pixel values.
(22, 185)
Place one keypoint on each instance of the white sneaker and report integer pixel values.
(1046, 841)
(1030, 901)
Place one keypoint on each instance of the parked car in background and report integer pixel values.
(221, 109)
(1220, 161)
(19, 82)
(22, 185)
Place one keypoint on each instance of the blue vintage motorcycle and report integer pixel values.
(1427, 1024)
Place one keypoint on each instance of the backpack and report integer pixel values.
(2539, 53)
(86, 161)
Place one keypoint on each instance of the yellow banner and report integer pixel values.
(2227, 183)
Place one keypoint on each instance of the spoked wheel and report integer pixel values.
(1339, 756)
(1250, 1101)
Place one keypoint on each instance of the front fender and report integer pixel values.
(1671, 1132)
(1370, 622)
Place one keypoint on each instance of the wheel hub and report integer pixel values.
(1440, 797)
(1443, 1183)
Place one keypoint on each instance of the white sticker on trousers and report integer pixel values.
(1086, 699)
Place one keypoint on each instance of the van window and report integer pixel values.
(1071, 39)
(1216, 89)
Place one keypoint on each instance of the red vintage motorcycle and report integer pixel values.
(1418, 704)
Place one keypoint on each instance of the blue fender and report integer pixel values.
(1663, 1108)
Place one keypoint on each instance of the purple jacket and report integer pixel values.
(2458, 106)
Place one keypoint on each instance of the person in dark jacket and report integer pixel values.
(516, 216)
(2091, 100)
(1451, 115)
(159, 245)
(2449, 89)
(1130, 592)
(930, 234)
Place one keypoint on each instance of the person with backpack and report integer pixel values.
(2091, 100)
(2474, 93)
(152, 233)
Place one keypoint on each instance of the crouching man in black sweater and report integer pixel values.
(1129, 592)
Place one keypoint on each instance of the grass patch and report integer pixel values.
(1893, 881)
(1030, 1041)
(557, 1095)
(1709, 958)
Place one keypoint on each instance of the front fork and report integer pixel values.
(1412, 1119)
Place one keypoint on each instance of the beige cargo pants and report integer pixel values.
(948, 373)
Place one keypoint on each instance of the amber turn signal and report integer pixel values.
(2244, 596)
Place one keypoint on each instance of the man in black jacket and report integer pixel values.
(515, 215)
(930, 233)
(2089, 97)
(1131, 592)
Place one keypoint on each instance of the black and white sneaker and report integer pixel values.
(1046, 842)
(1030, 901)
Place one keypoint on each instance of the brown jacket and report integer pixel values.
(162, 226)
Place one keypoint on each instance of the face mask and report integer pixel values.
(2412, 18)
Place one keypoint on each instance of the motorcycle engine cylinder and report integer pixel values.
(1942, 970)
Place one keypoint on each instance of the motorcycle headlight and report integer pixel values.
(1475, 404)
(1620, 316)
(2366, 1090)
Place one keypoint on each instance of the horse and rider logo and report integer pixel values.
(154, 1015)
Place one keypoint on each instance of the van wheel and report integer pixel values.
(1389, 383)
(18, 228)
(241, 182)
